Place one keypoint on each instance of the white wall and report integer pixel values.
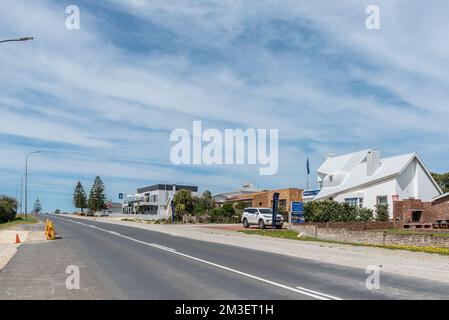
(370, 194)
(426, 188)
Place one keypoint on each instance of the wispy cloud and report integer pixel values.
(103, 99)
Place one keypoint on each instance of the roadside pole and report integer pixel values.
(172, 205)
(275, 210)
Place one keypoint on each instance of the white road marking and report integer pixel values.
(319, 293)
(303, 291)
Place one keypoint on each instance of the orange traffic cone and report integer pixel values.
(17, 238)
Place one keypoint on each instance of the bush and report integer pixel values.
(365, 215)
(382, 212)
(332, 211)
(8, 207)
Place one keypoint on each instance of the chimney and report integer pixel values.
(372, 162)
(330, 155)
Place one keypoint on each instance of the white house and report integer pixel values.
(364, 179)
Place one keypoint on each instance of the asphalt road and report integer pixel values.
(121, 262)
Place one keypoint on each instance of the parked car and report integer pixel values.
(261, 217)
(103, 213)
(90, 213)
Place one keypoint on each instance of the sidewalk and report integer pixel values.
(27, 233)
(414, 264)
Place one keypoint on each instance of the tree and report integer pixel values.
(79, 197)
(203, 204)
(37, 207)
(382, 212)
(57, 211)
(183, 202)
(442, 180)
(8, 207)
(97, 196)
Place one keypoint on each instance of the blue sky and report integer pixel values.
(103, 100)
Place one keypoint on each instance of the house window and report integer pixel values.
(382, 200)
(331, 178)
(356, 202)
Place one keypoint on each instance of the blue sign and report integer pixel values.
(297, 207)
(309, 193)
(120, 196)
(298, 218)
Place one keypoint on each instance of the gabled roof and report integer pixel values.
(444, 195)
(357, 177)
(343, 162)
(246, 188)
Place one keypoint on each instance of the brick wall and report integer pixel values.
(431, 211)
(375, 237)
(264, 199)
(354, 226)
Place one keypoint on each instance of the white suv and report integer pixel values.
(261, 217)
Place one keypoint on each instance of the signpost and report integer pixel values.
(275, 209)
(297, 212)
(120, 196)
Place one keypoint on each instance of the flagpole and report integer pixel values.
(308, 171)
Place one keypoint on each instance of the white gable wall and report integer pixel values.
(426, 188)
(370, 193)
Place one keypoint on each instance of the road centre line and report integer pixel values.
(300, 290)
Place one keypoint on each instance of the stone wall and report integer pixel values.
(377, 237)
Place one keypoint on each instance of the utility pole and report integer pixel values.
(26, 182)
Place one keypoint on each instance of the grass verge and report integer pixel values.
(440, 234)
(293, 235)
(20, 219)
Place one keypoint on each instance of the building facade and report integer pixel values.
(264, 199)
(364, 179)
(154, 200)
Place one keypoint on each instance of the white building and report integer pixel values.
(365, 180)
(247, 188)
(154, 200)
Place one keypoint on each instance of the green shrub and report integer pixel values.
(333, 211)
(228, 209)
(8, 207)
(365, 215)
(382, 212)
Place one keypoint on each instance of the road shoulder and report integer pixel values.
(26, 233)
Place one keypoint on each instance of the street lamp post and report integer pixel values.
(26, 181)
(19, 39)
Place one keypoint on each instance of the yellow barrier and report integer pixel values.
(50, 230)
(46, 227)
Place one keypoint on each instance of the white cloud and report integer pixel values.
(225, 64)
